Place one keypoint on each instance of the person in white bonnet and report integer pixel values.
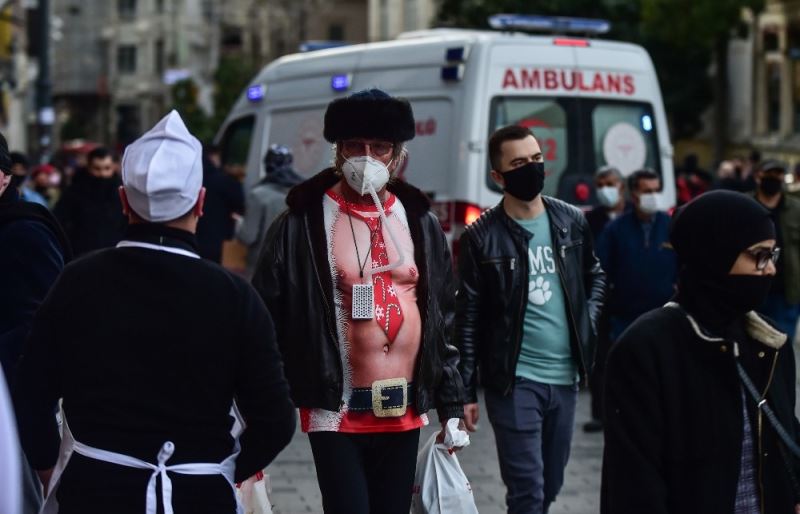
(148, 345)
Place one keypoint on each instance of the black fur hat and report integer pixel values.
(370, 114)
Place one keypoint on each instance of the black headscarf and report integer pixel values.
(708, 234)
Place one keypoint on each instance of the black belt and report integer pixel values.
(390, 403)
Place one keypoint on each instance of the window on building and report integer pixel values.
(159, 56)
(384, 19)
(126, 59)
(336, 32)
(208, 10)
(409, 14)
(159, 6)
(126, 8)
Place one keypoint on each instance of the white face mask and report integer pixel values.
(608, 196)
(362, 171)
(649, 203)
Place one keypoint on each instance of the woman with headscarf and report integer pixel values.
(684, 433)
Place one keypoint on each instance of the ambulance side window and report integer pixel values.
(235, 145)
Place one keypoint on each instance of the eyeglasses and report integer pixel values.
(378, 149)
(763, 256)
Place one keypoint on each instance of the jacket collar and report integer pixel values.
(557, 223)
(756, 326)
(303, 196)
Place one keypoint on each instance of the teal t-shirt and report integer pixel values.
(545, 355)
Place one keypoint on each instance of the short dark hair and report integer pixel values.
(19, 158)
(101, 152)
(500, 136)
(643, 174)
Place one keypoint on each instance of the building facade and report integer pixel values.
(389, 18)
(115, 62)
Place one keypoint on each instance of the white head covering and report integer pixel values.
(162, 171)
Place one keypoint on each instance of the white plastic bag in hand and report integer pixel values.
(253, 494)
(440, 486)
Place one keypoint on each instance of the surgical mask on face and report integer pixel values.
(363, 171)
(649, 203)
(608, 196)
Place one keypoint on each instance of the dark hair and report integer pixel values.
(500, 136)
(19, 158)
(101, 152)
(643, 174)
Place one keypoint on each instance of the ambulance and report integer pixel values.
(589, 102)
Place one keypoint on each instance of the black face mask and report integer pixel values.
(526, 182)
(771, 186)
(736, 295)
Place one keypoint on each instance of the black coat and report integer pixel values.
(147, 346)
(224, 197)
(493, 292)
(294, 278)
(674, 418)
(33, 250)
(91, 213)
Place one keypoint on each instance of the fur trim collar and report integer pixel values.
(757, 327)
(309, 193)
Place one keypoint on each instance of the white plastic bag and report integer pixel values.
(253, 494)
(440, 486)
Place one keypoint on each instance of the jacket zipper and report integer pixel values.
(563, 252)
(526, 276)
(760, 427)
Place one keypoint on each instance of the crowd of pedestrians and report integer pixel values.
(131, 354)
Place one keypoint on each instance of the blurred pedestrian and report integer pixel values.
(224, 201)
(266, 201)
(19, 172)
(89, 209)
(365, 261)
(691, 180)
(610, 189)
(149, 345)
(782, 305)
(46, 179)
(729, 176)
(33, 250)
(636, 255)
(529, 298)
(683, 432)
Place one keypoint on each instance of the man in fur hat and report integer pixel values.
(358, 277)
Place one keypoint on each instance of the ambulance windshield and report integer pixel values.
(578, 135)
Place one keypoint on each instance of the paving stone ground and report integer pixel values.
(295, 491)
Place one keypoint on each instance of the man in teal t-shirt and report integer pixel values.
(545, 355)
(529, 297)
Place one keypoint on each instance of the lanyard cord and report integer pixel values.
(372, 237)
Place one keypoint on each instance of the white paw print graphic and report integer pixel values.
(539, 291)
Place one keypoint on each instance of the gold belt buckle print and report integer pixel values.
(382, 406)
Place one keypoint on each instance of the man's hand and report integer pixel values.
(44, 477)
(440, 435)
(471, 416)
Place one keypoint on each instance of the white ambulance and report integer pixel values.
(589, 102)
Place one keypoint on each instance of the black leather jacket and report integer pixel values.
(294, 279)
(493, 292)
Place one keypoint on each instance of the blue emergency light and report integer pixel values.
(256, 93)
(647, 123)
(558, 24)
(340, 82)
(458, 54)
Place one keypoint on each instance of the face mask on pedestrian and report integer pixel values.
(525, 182)
(649, 203)
(608, 196)
(771, 186)
(363, 172)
